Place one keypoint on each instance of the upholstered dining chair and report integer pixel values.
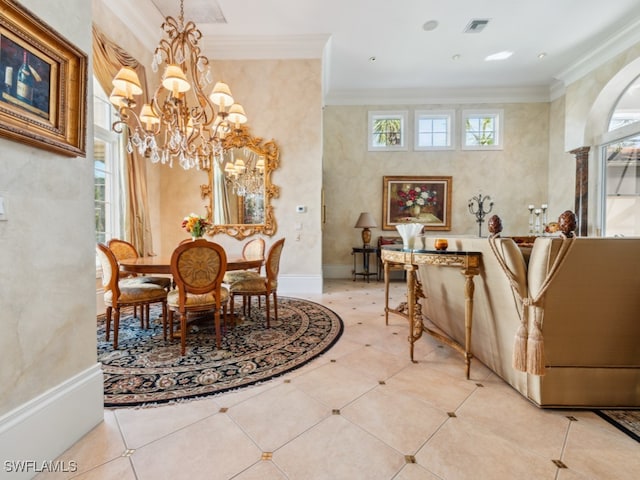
(198, 268)
(251, 250)
(128, 292)
(125, 250)
(252, 283)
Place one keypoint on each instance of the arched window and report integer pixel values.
(627, 109)
(621, 166)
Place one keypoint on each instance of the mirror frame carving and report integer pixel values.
(241, 138)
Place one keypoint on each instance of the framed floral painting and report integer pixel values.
(425, 200)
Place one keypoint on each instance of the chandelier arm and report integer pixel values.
(121, 126)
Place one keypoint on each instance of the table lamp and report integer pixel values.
(366, 221)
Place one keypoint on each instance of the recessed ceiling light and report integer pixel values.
(430, 25)
(456, 57)
(499, 56)
(372, 59)
(541, 55)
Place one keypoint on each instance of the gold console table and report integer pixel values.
(468, 262)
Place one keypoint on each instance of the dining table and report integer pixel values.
(162, 264)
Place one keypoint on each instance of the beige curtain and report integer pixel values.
(108, 58)
(221, 214)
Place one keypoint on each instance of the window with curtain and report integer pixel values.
(106, 168)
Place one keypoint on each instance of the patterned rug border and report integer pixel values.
(609, 415)
(260, 380)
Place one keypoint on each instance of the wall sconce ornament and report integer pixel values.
(477, 208)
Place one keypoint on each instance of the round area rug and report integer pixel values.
(146, 369)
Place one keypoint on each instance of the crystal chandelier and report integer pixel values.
(245, 176)
(180, 121)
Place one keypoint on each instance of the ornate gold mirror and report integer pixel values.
(240, 188)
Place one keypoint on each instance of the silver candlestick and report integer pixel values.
(476, 207)
(531, 208)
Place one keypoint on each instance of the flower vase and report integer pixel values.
(415, 211)
(195, 237)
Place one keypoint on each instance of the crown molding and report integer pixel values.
(145, 28)
(623, 39)
(557, 90)
(441, 95)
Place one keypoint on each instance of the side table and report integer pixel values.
(365, 252)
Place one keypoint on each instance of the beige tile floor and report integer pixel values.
(360, 411)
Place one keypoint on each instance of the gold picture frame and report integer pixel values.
(409, 199)
(43, 83)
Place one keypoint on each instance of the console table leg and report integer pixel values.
(469, 289)
(411, 306)
(386, 293)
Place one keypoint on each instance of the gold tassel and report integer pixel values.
(520, 349)
(522, 335)
(535, 349)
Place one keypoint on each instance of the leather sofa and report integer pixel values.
(589, 316)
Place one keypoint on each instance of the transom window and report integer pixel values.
(387, 130)
(434, 130)
(482, 129)
(627, 109)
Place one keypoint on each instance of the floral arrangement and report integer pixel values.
(195, 225)
(418, 195)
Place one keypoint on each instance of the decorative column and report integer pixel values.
(582, 188)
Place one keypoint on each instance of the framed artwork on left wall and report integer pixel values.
(43, 84)
(425, 200)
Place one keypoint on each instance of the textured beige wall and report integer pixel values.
(47, 288)
(282, 99)
(513, 177)
(561, 165)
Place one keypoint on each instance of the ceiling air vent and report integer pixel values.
(476, 26)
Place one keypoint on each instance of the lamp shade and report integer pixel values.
(127, 81)
(117, 97)
(175, 80)
(147, 115)
(221, 95)
(237, 115)
(366, 220)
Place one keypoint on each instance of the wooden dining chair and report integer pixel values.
(252, 283)
(125, 250)
(129, 292)
(252, 250)
(198, 268)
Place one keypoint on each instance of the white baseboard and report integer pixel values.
(298, 284)
(43, 428)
